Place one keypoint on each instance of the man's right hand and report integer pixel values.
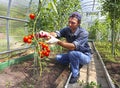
(44, 34)
(52, 40)
(53, 34)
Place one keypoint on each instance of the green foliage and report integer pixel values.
(104, 49)
(53, 15)
(109, 6)
(98, 31)
(92, 85)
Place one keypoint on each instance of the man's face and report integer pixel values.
(73, 23)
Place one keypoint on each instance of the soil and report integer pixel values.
(23, 75)
(114, 71)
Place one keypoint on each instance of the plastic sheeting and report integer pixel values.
(13, 17)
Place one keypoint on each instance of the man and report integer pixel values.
(77, 44)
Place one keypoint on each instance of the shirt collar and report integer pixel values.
(77, 31)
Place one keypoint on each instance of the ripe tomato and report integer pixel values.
(48, 50)
(46, 53)
(30, 36)
(29, 41)
(43, 45)
(32, 16)
(25, 39)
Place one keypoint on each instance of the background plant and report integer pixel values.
(111, 9)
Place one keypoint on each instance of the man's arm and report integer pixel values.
(53, 34)
(69, 46)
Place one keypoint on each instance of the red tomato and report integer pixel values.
(25, 39)
(30, 36)
(46, 53)
(32, 16)
(46, 46)
(43, 45)
(48, 50)
(29, 41)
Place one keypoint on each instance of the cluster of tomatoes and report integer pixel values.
(28, 39)
(45, 50)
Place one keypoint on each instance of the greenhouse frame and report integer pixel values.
(99, 17)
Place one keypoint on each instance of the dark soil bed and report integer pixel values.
(23, 75)
(114, 71)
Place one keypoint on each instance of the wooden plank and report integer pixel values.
(92, 72)
(83, 74)
(62, 79)
(82, 79)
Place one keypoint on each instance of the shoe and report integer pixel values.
(73, 79)
(80, 66)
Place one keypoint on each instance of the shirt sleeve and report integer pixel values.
(62, 32)
(81, 40)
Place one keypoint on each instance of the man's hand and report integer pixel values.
(44, 34)
(52, 40)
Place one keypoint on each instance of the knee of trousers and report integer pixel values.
(73, 55)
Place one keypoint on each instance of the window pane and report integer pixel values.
(16, 33)
(3, 7)
(3, 40)
(19, 8)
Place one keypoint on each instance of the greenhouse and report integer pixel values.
(35, 37)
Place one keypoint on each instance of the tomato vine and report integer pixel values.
(49, 16)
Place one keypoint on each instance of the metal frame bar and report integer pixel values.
(9, 18)
(5, 52)
(87, 2)
(88, 5)
(7, 25)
